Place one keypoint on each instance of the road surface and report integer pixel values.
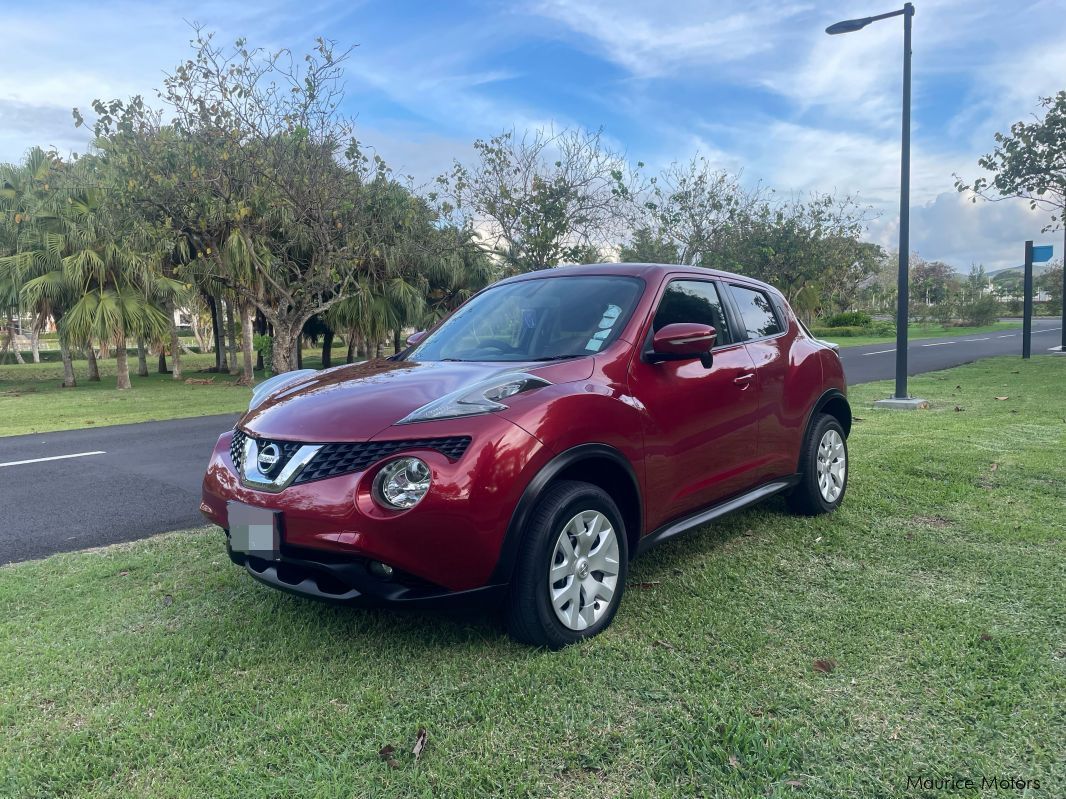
(84, 488)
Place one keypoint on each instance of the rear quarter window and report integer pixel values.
(756, 311)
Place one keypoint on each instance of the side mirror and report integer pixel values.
(416, 338)
(683, 341)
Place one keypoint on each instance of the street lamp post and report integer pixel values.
(901, 399)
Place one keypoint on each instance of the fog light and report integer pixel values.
(402, 483)
(379, 569)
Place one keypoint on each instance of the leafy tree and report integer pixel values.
(810, 249)
(1051, 281)
(645, 247)
(263, 174)
(691, 206)
(540, 200)
(1029, 163)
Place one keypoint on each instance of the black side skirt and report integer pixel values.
(701, 517)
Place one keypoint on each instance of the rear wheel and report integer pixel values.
(823, 469)
(571, 568)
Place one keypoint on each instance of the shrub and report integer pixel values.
(849, 319)
(839, 332)
(883, 329)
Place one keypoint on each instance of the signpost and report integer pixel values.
(1033, 255)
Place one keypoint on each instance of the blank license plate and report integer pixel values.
(254, 531)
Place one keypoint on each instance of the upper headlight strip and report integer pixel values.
(482, 397)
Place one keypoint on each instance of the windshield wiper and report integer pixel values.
(559, 357)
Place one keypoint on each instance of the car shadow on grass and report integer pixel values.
(432, 628)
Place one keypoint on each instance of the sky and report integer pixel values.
(756, 87)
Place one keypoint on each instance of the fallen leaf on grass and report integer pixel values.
(665, 645)
(994, 467)
(1002, 398)
(420, 742)
(986, 637)
(338, 704)
(733, 761)
(90, 421)
(168, 600)
(957, 409)
(199, 381)
(123, 574)
(858, 419)
(794, 783)
(386, 752)
(825, 665)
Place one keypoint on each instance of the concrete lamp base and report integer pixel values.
(908, 404)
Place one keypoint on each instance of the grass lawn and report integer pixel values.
(923, 331)
(32, 399)
(918, 631)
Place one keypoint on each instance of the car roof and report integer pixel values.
(650, 272)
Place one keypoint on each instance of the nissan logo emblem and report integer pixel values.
(268, 457)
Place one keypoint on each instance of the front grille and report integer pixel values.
(236, 448)
(344, 458)
(335, 459)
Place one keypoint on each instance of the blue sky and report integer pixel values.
(756, 86)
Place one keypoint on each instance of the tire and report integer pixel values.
(570, 507)
(822, 485)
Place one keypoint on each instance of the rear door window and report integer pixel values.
(757, 312)
(692, 301)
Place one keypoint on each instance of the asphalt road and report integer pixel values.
(130, 481)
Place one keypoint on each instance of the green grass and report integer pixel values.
(32, 399)
(923, 331)
(157, 669)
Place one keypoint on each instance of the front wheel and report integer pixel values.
(571, 568)
(823, 469)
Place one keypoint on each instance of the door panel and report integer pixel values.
(700, 424)
(769, 345)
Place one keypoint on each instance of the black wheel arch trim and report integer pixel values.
(509, 549)
(826, 397)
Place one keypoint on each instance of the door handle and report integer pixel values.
(744, 379)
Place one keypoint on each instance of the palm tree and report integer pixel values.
(28, 197)
(115, 267)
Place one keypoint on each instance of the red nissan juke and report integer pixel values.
(553, 427)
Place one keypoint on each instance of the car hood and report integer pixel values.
(357, 401)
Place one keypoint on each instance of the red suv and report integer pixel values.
(553, 427)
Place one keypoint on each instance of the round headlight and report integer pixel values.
(402, 483)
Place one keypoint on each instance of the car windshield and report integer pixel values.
(535, 320)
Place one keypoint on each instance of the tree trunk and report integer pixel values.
(363, 350)
(397, 343)
(122, 364)
(231, 328)
(175, 348)
(94, 367)
(11, 333)
(327, 349)
(161, 365)
(142, 358)
(68, 365)
(300, 350)
(247, 336)
(380, 351)
(261, 329)
(35, 338)
(216, 329)
(350, 357)
(284, 350)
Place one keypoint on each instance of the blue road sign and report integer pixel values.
(1042, 253)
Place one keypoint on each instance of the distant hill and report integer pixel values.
(1013, 273)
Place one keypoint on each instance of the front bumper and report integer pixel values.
(347, 581)
(331, 528)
